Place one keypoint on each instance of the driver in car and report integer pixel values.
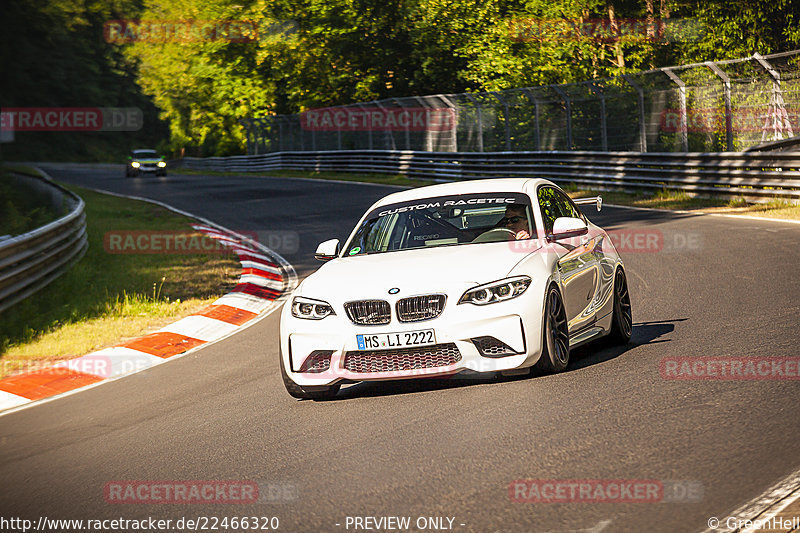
(516, 219)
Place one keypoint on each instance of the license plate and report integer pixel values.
(385, 341)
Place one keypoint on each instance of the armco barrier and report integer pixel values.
(755, 176)
(30, 261)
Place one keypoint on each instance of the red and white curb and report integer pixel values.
(266, 278)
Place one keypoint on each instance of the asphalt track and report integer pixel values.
(722, 287)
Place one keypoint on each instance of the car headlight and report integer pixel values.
(310, 309)
(135, 164)
(161, 164)
(496, 291)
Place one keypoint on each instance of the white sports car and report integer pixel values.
(496, 275)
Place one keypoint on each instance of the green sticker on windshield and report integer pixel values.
(355, 250)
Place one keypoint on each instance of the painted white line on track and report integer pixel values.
(200, 327)
(242, 301)
(112, 362)
(9, 401)
(764, 506)
(700, 213)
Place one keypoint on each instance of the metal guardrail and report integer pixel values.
(754, 176)
(30, 261)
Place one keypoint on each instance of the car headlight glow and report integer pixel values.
(161, 164)
(496, 291)
(135, 164)
(310, 309)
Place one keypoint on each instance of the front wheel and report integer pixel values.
(555, 338)
(310, 393)
(622, 320)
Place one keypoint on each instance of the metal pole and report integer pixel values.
(529, 94)
(507, 118)
(780, 120)
(369, 130)
(453, 132)
(568, 105)
(480, 119)
(428, 140)
(407, 127)
(682, 89)
(338, 136)
(246, 123)
(642, 125)
(603, 125)
(726, 89)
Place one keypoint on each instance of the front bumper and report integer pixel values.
(516, 324)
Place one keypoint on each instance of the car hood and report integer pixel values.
(447, 269)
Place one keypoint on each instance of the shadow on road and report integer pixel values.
(585, 356)
(643, 333)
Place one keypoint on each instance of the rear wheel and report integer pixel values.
(555, 338)
(309, 393)
(622, 321)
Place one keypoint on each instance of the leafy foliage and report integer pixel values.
(315, 53)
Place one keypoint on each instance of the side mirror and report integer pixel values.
(327, 250)
(566, 227)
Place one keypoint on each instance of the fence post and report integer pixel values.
(480, 119)
(780, 119)
(407, 128)
(726, 89)
(682, 90)
(603, 124)
(568, 105)
(338, 135)
(529, 94)
(454, 131)
(642, 125)
(507, 118)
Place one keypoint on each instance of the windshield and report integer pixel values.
(144, 153)
(444, 221)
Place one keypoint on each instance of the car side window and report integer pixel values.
(567, 207)
(554, 204)
(550, 207)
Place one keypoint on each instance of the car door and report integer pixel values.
(577, 262)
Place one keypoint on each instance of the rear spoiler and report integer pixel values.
(598, 200)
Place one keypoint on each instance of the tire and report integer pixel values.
(555, 337)
(309, 393)
(622, 320)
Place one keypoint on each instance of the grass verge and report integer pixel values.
(106, 298)
(664, 199)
